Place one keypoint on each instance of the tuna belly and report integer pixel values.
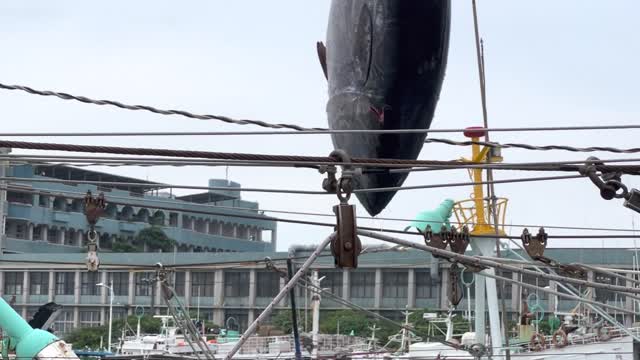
(354, 111)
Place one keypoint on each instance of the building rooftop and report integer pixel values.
(65, 172)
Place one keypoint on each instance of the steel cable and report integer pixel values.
(313, 160)
(535, 147)
(297, 128)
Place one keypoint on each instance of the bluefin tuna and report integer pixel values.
(385, 62)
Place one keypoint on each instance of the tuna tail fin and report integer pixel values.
(322, 56)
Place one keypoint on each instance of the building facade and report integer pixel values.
(218, 262)
(44, 213)
(231, 289)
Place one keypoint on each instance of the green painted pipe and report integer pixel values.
(28, 341)
(434, 218)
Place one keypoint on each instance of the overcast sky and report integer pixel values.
(548, 63)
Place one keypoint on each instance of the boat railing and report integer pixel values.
(588, 338)
(326, 342)
(465, 212)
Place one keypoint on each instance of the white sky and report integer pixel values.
(549, 63)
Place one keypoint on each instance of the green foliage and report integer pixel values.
(349, 321)
(87, 337)
(281, 320)
(544, 327)
(155, 239)
(122, 246)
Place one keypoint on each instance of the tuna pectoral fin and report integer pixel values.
(322, 56)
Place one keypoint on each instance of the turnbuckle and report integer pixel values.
(93, 209)
(346, 245)
(455, 294)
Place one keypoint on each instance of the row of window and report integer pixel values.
(236, 284)
(394, 284)
(144, 215)
(65, 283)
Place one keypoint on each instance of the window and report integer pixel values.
(426, 288)
(37, 232)
(64, 322)
(119, 313)
(394, 284)
(537, 281)
(88, 281)
(143, 284)
(178, 283)
(507, 285)
(39, 283)
(52, 235)
(363, 284)
(268, 284)
(89, 318)
(18, 197)
(603, 295)
(120, 282)
(65, 283)
(202, 283)
(13, 283)
(332, 281)
(236, 283)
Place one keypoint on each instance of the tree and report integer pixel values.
(281, 320)
(87, 337)
(122, 246)
(155, 239)
(348, 320)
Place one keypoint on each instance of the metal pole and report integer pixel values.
(490, 186)
(110, 313)
(289, 285)
(294, 314)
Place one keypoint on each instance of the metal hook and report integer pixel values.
(344, 186)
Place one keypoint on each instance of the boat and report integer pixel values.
(170, 340)
(578, 335)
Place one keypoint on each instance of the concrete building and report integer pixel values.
(238, 286)
(46, 215)
(222, 241)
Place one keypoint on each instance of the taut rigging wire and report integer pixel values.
(287, 191)
(297, 128)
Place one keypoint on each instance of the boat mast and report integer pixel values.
(315, 308)
(477, 215)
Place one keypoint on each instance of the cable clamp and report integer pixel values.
(534, 245)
